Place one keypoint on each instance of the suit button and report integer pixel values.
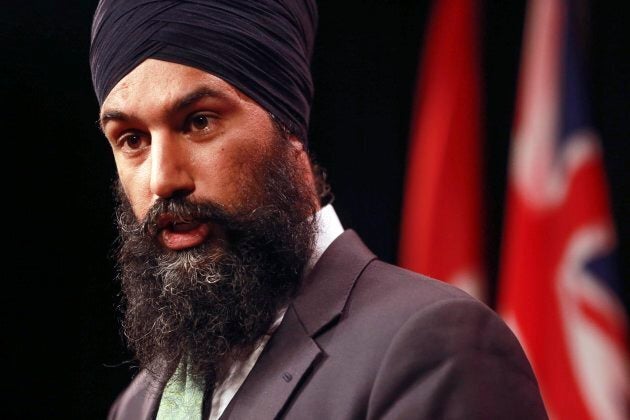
(287, 377)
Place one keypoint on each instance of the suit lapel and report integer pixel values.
(284, 361)
(142, 399)
(292, 350)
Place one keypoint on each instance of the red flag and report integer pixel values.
(558, 288)
(441, 219)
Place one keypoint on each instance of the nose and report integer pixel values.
(170, 168)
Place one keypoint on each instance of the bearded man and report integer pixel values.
(243, 295)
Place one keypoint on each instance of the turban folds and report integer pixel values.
(262, 47)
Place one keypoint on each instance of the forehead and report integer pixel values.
(154, 81)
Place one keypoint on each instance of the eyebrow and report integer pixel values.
(184, 102)
(197, 94)
(111, 116)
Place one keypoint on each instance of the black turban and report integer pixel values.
(262, 47)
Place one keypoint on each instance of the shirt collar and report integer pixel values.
(328, 228)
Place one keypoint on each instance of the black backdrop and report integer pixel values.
(60, 336)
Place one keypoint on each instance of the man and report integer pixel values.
(243, 295)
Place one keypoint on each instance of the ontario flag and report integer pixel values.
(441, 217)
(558, 289)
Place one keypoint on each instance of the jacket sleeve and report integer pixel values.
(455, 359)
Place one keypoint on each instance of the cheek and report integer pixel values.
(135, 184)
(228, 175)
(215, 174)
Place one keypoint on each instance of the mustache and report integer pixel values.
(181, 210)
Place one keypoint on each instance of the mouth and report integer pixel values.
(177, 234)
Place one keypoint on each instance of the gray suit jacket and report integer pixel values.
(367, 340)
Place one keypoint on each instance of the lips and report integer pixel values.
(184, 226)
(177, 234)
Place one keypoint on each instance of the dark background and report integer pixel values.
(60, 336)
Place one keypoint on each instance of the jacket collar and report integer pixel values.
(325, 291)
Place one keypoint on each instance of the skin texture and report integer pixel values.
(178, 131)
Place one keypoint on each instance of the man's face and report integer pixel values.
(178, 131)
(213, 216)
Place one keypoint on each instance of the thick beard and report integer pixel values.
(212, 303)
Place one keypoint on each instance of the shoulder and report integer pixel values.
(391, 289)
(438, 317)
(414, 347)
(442, 348)
(369, 291)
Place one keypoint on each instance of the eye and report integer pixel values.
(132, 142)
(200, 123)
